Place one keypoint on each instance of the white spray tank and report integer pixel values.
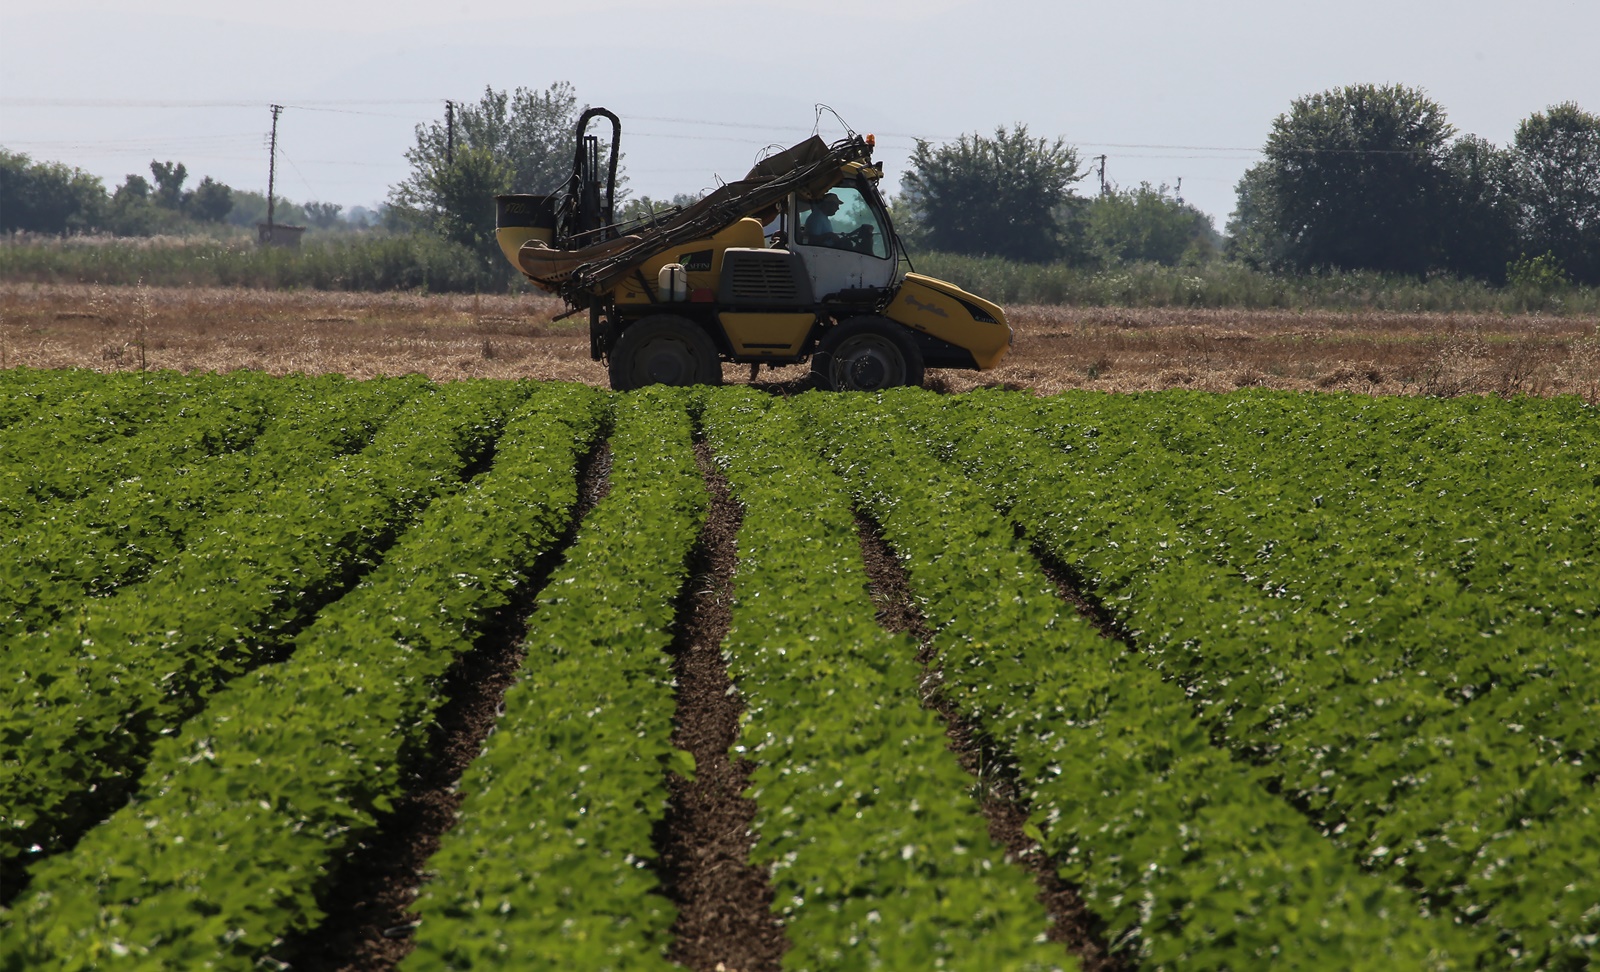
(672, 284)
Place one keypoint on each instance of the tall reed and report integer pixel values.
(362, 263)
(381, 262)
(1235, 285)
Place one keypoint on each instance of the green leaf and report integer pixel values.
(681, 762)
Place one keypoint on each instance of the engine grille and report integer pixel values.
(764, 280)
(752, 277)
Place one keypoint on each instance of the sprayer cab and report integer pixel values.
(798, 261)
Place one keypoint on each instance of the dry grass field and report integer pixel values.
(46, 326)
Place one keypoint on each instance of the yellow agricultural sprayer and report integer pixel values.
(796, 261)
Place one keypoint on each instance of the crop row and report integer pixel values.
(1385, 611)
(878, 854)
(122, 529)
(290, 766)
(877, 850)
(25, 392)
(548, 865)
(106, 431)
(1336, 708)
(72, 410)
(1440, 728)
(84, 700)
(1188, 860)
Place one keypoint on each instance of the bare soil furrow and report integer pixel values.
(368, 903)
(1072, 588)
(725, 917)
(1071, 922)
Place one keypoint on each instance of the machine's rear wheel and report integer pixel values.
(664, 350)
(866, 354)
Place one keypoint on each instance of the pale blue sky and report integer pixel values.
(1165, 89)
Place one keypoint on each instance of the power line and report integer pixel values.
(137, 145)
(350, 111)
(212, 157)
(928, 137)
(326, 105)
(160, 143)
(1214, 158)
(303, 180)
(174, 103)
(214, 136)
(695, 138)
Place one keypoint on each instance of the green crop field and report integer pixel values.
(1263, 680)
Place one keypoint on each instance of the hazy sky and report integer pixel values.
(1166, 90)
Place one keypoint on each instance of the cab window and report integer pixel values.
(841, 219)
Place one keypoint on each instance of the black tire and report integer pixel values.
(664, 350)
(866, 354)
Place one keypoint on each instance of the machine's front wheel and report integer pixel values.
(664, 350)
(866, 354)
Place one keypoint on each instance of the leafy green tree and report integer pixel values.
(135, 186)
(464, 195)
(48, 197)
(134, 211)
(528, 132)
(1001, 196)
(250, 208)
(360, 217)
(1478, 234)
(519, 141)
(1354, 178)
(210, 202)
(139, 208)
(1558, 154)
(169, 183)
(1148, 224)
(323, 215)
(1254, 238)
(1541, 274)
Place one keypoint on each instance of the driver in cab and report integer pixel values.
(818, 229)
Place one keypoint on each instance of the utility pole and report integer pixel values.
(449, 133)
(272, 165)
(1180, 189)
(1102, 174)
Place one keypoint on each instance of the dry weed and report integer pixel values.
(1054, 348)
(1579, 373)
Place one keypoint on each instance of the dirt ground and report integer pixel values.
(1056, 348)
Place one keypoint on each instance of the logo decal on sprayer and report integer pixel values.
(933, 309)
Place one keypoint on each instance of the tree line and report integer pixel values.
(1364, 177)
(1371, 177)
(1012, 196)
(49, 197)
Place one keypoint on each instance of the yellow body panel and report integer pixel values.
(701, 259)
(767, 335)
(951, 314)
(511, 239)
